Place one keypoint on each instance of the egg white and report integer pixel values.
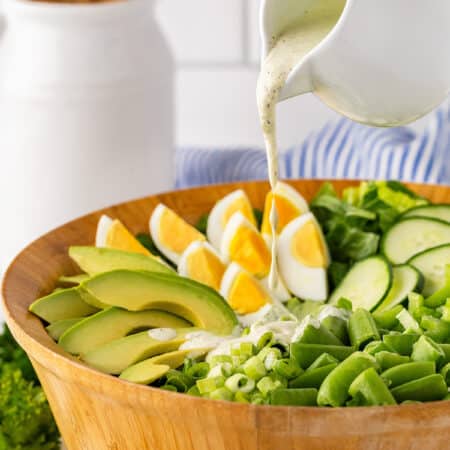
(308, 283)
(215, 227)
(103, 226)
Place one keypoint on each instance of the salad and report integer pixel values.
(360, 315)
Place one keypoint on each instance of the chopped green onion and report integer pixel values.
(221, 394)
(179, 380)
(268, 384)
(344, 303)
(217, 359)
(254, 368)
(269, 356)
(287, 368)
(169, 387)
(194, 391)
(241, 397)
(208, 385)
(198, 370)
(240, 383)
(265, 340)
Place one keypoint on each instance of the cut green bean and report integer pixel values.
(372, 388)
(323, 360)
(362, 328)
(194, 391)
(344, 303)
(445, 372)
(294, 397)
(306, 354)
(241, 397)
(436, 329)
(425, 349)
(338, 327)
(445, 311)
(334, 389)
(375, 347)
(387, 319)
(400, 342)
(386, 360)
(312, 378)
(426, 389)
(408, 322)
(446, 350)
(404, 373)
(313, 334)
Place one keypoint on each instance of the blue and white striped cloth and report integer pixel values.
(342, 149)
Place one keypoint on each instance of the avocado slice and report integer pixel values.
(58, 328)
(114, 357)
(149, 370)
(114, 323)
(72, 280)
(60, 305)
(138, 290)
(90, 299)
(94, 260)
(147, 375)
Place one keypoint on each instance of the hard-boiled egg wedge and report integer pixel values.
(289, 203)
(244, 244)
(244, 293)
(113, 234)
(201, 263)
(171, 234)
(303, 258)
(280, 291)
(222, 212)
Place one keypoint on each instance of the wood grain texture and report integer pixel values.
(99, 412)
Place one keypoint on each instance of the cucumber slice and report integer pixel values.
(366, 284)
(408, 237)
(431, 263)
(435, 211)
(405, 279)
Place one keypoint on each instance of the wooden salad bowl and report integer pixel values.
(95, 411)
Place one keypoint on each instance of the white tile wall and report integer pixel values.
(216, 46)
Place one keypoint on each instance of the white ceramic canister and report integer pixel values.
(86, 112)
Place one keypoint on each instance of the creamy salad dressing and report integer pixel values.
(286, 52)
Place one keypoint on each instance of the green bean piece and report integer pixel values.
(312, 378)
(323, 360)
(446, 349)
(437, 329)
(425, 349)
(194, 391)
(401, 342)
(362, 328)
(338, 327)
(374, 347)
(372, 388)
(301, 309)
(386, 360)
(408, 322)
(387, 319)
(445, 372)
(411, 402)
(334, 389)
(445, 311)
(294, 397)
(426, 389)
(313, 335)
(440, 297)
(404, 373)
(306, 354)
(417, 308)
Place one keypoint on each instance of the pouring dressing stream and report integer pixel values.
(286, 51)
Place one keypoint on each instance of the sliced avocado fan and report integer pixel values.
(114, 323)
(139, 290)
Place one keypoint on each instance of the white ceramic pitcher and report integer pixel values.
(385, 63)
(86, 110)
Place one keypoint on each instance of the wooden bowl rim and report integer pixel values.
(108, 385)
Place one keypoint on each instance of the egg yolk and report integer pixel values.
(307, 246)
(205, 267)
(250, 251)
(286, 211)
(176, 234)
(246, 295)
(120, 238)
(239, 205)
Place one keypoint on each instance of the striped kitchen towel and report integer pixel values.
(342, 149)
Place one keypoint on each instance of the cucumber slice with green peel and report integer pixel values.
(436, 211)
(431, 263)
(413, 235)
(366, 284)
(406, 279)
